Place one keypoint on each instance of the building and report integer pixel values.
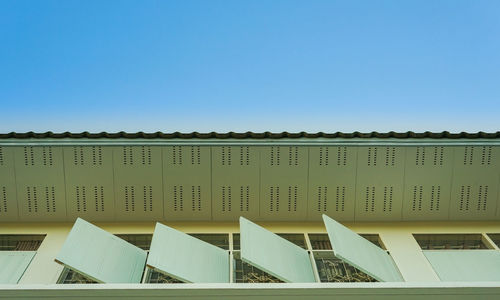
(251, 215)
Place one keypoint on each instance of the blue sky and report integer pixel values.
(249, 65)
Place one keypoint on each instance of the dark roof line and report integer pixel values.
(251, 135)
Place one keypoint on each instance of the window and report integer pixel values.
(327, 267)
(296, 238)
(320, 241)
(495, 237)
(153, 276)
(246, 273)
(450, 241)
(20, 242)
(332, 269)
(69, 276)
(142, 241)
(219, 240)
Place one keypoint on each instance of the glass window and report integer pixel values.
(69, 276)
(246, 273)
(219, 240)
(296, 238)
(450, 241)
(320, 241)
(332, 269)
(157, 277)
(20, 242)
(142, 241)
(495, 237)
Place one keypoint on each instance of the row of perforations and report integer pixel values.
(473, 198)
(276, 197)
(32, 159)
(371, 195)
(291, 156)
(435, 157)
(41, 198)
(419, 193)
(191, 194)
(138, 197)
(3, 200)
(323, 202)
(484, 153)
(80, 158)
(90, 198)
(177, 155)
(376, 156)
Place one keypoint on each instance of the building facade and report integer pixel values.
(350, 216)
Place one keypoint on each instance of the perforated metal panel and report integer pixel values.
(465, 265)
(274, 254)
(40, 183)
(427, 185)
(89, 182)
(186, 258)
(283, 194)
(101, 256)
(361, 253)
(332, 182)
(13, 264)
(138, 183)
(235, 182)
(8, 199)
(475, 183)
(379, 184)
(186, 172)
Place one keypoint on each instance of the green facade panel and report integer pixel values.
(13, 264)
(332, 181)
(274, 254)
(235, 182)
(8, 198)
(88, 172)
(361, 253)
(186, 258)
(100, 255)
(465, 265)
(186, 183)
(40, 186)
(137, 177)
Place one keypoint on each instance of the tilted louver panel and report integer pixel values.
(186, 173)
(274, 254)
(89, 182)
(379, 183)
(474, 193)
(235, 182)
(332, 180)
(465, 265)
(138, 184)
(8, 198)
(186, 258)
(101, 256)
(13, 264)
(283, 188)
(427, 183)
(40, 183)
(361, 253)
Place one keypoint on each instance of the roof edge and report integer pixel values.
(251, 135)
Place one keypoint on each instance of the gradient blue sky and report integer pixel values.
(249, 65)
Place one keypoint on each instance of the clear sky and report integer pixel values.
(249, 65)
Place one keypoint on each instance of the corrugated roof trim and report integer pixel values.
(250, 135)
